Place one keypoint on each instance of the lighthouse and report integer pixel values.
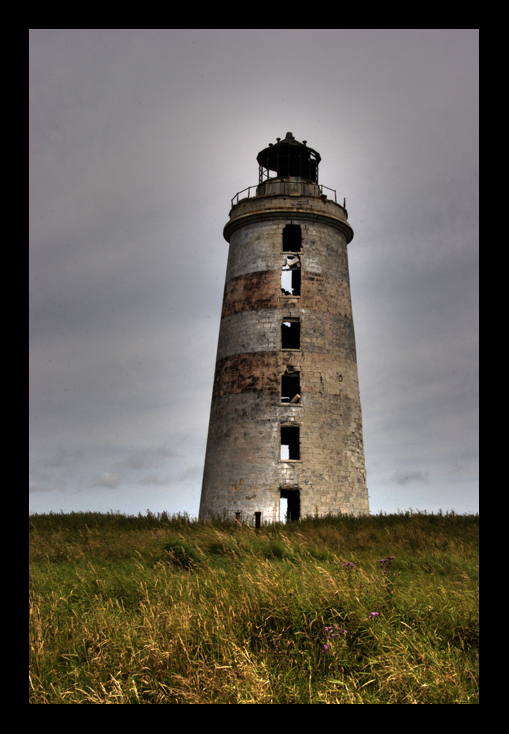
(285, 433)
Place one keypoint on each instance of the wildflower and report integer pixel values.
(372, 615)
(333, 631)
(384, 563)
(350, 564)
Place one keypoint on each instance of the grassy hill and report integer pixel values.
(159, 609)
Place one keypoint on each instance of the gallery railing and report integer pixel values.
(278, 187)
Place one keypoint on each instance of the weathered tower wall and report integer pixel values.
(286, 369)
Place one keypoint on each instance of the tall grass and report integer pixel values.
(159, 609)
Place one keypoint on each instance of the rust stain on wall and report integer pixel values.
(262, 372)
(251, 292)
(261, 290)
(251, 372)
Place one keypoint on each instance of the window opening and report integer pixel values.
(291, 276)
(290, 389)
(292, 238)
(290, 334)
(289, 505)
(290, 443)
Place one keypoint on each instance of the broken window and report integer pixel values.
(290, 443)
(292, 238)
(290, 388)
(290, 276)
(290, 334)
(289, 505)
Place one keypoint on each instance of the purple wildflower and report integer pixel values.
(333, 631)
(350, 564)
(384, 563)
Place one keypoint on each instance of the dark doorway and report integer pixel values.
(290, 498)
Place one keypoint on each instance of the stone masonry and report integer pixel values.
(246, 468)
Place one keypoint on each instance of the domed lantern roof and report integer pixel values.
(289, 157)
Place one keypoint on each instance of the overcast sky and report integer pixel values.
(139, 138)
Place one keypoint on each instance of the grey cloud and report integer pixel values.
(411, 476)
(108, 479)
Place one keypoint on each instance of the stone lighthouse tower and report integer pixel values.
(285, 433)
